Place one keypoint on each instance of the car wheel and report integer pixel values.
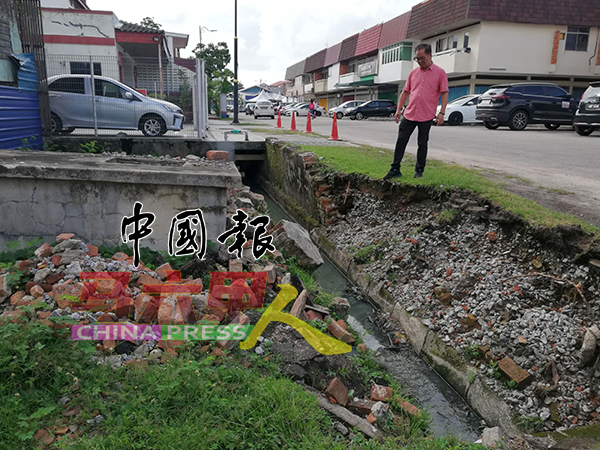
(583, 130)
(360, 116)
(518, 120)
(455, 118)
(318, 113)
(552, 126)
(491, 125)
(339, 115)
(55, 124)
(153, 126)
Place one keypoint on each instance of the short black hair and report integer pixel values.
(425, 47)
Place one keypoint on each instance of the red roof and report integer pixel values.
(332, 55)
(348, 49)
(279, 83)
(315, 62)
(187, 63)
(368, 41)
(394, 31)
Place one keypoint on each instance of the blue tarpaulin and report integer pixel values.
(27, 75)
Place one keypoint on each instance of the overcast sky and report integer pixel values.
(272, 34)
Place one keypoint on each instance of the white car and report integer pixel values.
(288, 109)
(340, 111)
(303, 110)
(264, 109)
(461, 110)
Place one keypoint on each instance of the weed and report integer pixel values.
(511, 384)
(472, 351)
(494, 370)
(530, 424)
(447, 216)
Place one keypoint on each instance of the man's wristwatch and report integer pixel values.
(442, 113)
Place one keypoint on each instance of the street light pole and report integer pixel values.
(235, 71)
(200, 28)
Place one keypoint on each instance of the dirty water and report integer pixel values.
(448, 411)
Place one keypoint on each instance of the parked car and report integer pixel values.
(117, 107)
(288, 110)
(587, 117)
(340, 111)
(264, 108)
(303, 110)
(373, 108)
(250, 108)
(461, 110)
(520, 104)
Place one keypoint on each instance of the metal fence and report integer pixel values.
(128, 97)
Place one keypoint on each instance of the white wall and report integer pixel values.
(527, 49)
(393, 72)
(65, 4)
(334, 78)
(458, 61)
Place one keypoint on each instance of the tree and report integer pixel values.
(220, 79)
(150, 23)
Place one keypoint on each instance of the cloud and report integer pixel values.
(272, 34)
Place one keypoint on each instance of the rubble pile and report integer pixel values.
(525, 314)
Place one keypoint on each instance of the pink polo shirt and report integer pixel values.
(425, 87)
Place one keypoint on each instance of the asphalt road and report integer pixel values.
(559, 159)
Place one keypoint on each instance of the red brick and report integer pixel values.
(44, 437)
(298, 307)
(144, 279)
(337, 390)
(64, 237)
(16, 297)
(241, 319)
(339, 333)
(162, 271)
(381, 393)
(26, 266)
(13, 317)
(313, 315)
(218, 353)
(235, 265)
(362, 348)
(519, 375)
(21, 300)
(56, 260)
(411, 409)
(92, 250)
(120, 256)
(212, 318)
(362, 405)
(37, 291)
(68, 294)
(105, 318)
(217, 155)
(43, 315)
(54, 278)
(44, 251)
(371, 418)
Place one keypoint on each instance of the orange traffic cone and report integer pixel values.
(334, 130)
(293, 128)
(279, 118)
(308, 124)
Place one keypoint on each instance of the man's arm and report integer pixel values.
(401, 102)
(440, 117)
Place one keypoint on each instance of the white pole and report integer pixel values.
(94, 98)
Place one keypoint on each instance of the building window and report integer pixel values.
(83, 68)
(466, 41)
(577, 39)
(446, 43)
(394, 53)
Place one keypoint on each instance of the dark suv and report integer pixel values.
(373, 108)
(520, 104)
(587, 117)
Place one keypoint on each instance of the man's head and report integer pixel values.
(423, 55)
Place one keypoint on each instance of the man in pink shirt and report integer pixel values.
(424, 84)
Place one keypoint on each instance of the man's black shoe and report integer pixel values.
(393, 173)
(418, 174)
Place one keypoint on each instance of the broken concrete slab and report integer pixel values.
(295, 241)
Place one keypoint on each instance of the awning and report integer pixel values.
(364, 81)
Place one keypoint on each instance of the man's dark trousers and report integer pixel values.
(405, 131)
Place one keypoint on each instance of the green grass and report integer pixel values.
(194, 401)
(279, 131)
(375, 163)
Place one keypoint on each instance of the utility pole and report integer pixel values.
(235, 71)
(200, 28)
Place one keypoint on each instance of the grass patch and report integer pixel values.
(278, 131)
(375, 162)
(447, 216)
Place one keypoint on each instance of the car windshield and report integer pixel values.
(464, 98)
(264, 103)
(364, 104)
(591, 93)
(494, 91)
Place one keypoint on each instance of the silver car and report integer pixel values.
(117, 107)
(340, 111)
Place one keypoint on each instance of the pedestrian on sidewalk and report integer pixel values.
(311, 109)
(424, 84)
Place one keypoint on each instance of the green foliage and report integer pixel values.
(369, 253)
(16, 253)
(494, 371)
(157, 95)
(530, 424)
(151, 258)
(27, 143)
(95, 147)
(185, 91)
(150, 23)
(511, 384)
(472, 351)
(447, 216)
(220, 79)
